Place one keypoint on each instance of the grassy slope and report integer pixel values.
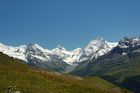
(117, 67)
(30, 80)
(114, 68)
(124, 67)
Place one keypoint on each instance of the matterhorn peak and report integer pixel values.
(98, 41)
(96, 48)
(96, 44)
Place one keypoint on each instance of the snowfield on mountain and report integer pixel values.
(58, 59)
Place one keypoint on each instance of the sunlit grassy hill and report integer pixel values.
(26, 79)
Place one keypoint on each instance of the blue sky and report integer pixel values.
(70, 23)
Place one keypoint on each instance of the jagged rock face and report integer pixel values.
(127, 44)
(41, 58)
(36, 50)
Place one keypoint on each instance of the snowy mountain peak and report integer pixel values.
(16, 52)
(35, 50)
(129, 42)
(96, 48)
(35, 46)
(95, 45)
(127, 45)
(97, 41)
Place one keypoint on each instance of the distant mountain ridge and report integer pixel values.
(121, 65)
(116, 62)
(127, 48)
(58, 59)
(128, 44)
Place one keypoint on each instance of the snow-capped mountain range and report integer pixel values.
(38, 56)
(127, 45)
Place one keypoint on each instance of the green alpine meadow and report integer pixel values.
(26, 79)
(69, 46)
